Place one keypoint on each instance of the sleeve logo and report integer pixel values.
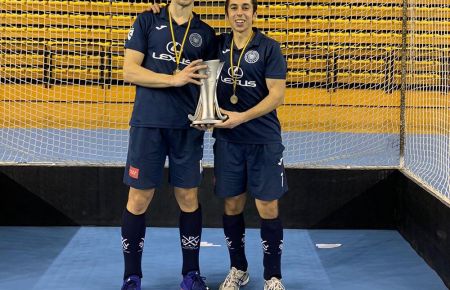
(133, 172)
(130, 33)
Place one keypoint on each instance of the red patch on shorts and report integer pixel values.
(133, 172)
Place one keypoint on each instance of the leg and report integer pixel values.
(267, 183)
(190, 224)
(234, 229)
(143, 173)
(271, 237)
(185, 174)
(133, 230)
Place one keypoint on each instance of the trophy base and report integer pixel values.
(207, 122)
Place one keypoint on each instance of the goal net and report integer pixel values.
(366, 86)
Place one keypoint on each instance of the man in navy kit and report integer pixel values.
(248, 152)
(162, 57)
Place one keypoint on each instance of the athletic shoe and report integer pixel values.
(235, 279)
(193, 281)
(132, 283)
(273, 284)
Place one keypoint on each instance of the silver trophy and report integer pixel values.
(208, 112)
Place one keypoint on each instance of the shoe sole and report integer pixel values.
(242, 285)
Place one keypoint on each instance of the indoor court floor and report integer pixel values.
(78, 258)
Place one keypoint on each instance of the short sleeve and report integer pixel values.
(137, 38)
(275, 62)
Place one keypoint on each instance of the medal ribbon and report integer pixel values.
(178, 55)
(239, 61)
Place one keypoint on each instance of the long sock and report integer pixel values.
(272, 243)
(133, 237)
(234, 229)
(190, 236)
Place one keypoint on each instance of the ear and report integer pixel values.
(254, 16)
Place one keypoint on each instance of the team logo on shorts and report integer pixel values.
(251, 56)
(195, 39)
(130, 33)
(133, 172)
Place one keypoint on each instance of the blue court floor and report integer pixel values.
(78, 258)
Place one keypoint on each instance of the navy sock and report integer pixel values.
(272, 243)
(190, 236)
(133, 236)
(234, 229)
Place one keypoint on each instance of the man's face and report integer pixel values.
(241, 15)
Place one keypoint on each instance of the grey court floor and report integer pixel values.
(78, 258)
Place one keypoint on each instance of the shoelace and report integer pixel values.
(196, 278)
(232, 279)
(275, 285)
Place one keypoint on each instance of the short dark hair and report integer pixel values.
(254, 4)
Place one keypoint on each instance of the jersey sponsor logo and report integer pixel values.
(171, 48)
(171, 54)
(130, 33)
(133, 172)
(251, 56)
(195, 39)
(238, 73)
(160, 27)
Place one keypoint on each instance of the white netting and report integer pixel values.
(427, 112)
(63, 99)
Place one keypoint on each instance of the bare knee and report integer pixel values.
(138, 200)
(267, 209)
(187, 198)
(235, 205)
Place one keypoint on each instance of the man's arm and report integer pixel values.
(273, 100)
(135, 73)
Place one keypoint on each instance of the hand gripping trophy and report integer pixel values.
(208, 112)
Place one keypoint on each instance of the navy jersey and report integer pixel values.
(262, 60)
(150, 34)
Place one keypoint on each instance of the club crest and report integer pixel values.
(195, 39)
(251, 56)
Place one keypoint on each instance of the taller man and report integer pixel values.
(162, 58)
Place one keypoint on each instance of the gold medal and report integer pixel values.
(234, 99)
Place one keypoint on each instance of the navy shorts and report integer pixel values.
(257, 169)
(147, 151)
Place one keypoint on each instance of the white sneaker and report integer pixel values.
(273, 284)
(235, 279)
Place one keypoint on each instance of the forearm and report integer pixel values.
(141, 76)
(267, 105)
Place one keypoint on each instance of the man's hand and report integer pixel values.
(189, 74)
(202, 127)
(234, 119)
(155, 8)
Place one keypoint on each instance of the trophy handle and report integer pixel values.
(219, 114)
(216, 104)
(198, 111)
